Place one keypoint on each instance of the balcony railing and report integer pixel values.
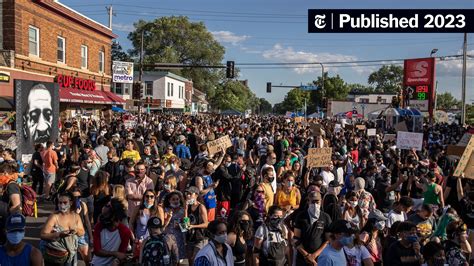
(7, 58)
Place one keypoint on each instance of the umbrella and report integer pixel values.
(118, 109)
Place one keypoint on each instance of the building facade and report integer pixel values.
(46, 41)
(164, 91)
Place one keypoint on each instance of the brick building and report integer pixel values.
(44, 40)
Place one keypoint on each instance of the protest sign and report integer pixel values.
(349, 127)
(299, 119)
(360, 127)
(26, 158)
(371, 132)
(455, 150)
(317, 129)
(337, 128)
(402, 126)
(409, 140)
(389, 137)
(465, 164)
(464, 140)
(215, 146)
(129, 124)
(319, 157)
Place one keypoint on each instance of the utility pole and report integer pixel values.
(140, 77)
(464, 66)
(111, 14)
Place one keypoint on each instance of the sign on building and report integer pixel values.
(122, 72)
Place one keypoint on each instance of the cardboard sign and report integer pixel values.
(299, 119)
(215, 146)
(402, 126)
(317, 129)
(455, 150)
(360, 127)
(464, 140)
(319, 157)
(466, 163)
(409, 140)
(390, 137)
(371, 132)
(349, 127)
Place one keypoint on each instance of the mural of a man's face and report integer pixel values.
(38, 116)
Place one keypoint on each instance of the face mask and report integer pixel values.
(148, 206)
(174, 205)
(191, 201)
(173, 167)
(314, 210)
(290, 183)
(15, 237)
(245, 225)
(354, 204)
(380, 225)
(412, 239)
(220, 238)
(89, 165)
(272, 162)
(347, 240)
(271, 178)
(275, 222)
(64, 208)
(227, 164)
(167, 187)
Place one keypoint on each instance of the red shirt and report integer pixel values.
(355, 156)
(49, 158)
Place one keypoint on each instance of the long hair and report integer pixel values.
(142, 204)
(101, 183)
(166, 202)
(234, 225)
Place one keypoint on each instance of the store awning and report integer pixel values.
(116, 99)
(81, 96)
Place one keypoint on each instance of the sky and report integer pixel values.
(268, 31)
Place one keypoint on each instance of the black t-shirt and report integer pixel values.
(453, 194)
(467, 212)
(312, 235)
(36, 156)
(83, 182)
(400, 255)
(11, 189)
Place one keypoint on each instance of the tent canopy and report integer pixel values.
(118, 109)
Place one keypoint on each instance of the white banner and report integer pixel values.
(409, 140)
(122, 72)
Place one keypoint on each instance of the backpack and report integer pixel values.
(28, 200)
(156, 252)
(273, 253)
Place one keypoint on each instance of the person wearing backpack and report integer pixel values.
(271, 245)
(158, 249)
(217, 252)
(10, 202)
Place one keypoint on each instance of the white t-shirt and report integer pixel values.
(395, 217)
(356, 255)
(327, 177)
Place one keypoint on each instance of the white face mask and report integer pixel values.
(191, 201)
(354, 204)
(314, 210)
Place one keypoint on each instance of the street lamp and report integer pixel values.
(434, 51)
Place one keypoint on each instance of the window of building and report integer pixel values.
(61, 50)
(118, 88)
(127, 88)
(101, 61)
(364, 100)
(172, 89)
(84, 56)
(33, 39)
(169, 90)
(149, 88)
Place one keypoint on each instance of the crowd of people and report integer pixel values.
(155, 194)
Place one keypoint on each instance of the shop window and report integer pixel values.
(33, 38)
(61, 50)
(169, 90)
(101, 61)
(118, 88)
(84, 56)
(149, 88)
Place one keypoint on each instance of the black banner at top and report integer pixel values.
(390, 20)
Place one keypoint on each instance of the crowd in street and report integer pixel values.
(155, 194)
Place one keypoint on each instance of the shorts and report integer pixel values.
(83, 240)
(49, 178)
(211, 214)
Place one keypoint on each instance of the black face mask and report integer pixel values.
(106, 221)
(270, 179)
(275, 222)
(245, 225)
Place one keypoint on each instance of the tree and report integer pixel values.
(118, 54)
(294, 100)
(387, 79)
(264, 106)
(232, 94)
(470, 114)
(177, 40)
(446, 101)
(335, 88)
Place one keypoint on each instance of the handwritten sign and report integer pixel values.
(337, 128)
(360, 127)
(402, 126)
(129, 124)
(371, 132)
(466, 162)
(299, 119)
(319, 157)
(409, 140)
(389, 137)
(455, 150)
(317, 129)
(464, 140)
(215, 146)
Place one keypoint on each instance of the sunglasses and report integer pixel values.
(260, 191)
(150, 196)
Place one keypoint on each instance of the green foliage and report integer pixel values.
(265, 106)
(233, 94)
(387, 79)
(294, 100)
(177, 40)
(446, 101)
(470, 114)
(335, 88)
(118, 54)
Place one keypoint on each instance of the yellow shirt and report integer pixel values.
(134, 155)
(269, 195)
(284, 199)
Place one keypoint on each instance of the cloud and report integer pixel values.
(452, 68)
(289, 55)
(229, 37)
(122, 27)
(249, 51)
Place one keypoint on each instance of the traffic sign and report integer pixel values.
(308, 87)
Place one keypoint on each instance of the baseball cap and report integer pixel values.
(15, 222)
(181, 138)
(378, 215)
(335, 183)
(154, 222)
(341, 226)
(192, 189)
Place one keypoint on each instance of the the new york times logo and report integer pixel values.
(390, 20)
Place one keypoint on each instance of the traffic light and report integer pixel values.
(136, 90)
(229, 73)
(269, 87)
